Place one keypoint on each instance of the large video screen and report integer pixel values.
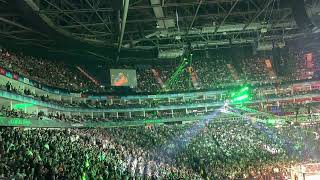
(123, 77)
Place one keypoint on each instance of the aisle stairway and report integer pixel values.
(233, 72)
(82, 71)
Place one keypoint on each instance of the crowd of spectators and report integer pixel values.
(76, 154)
(214, 150)
(200, 73)
(55, 74)
(254, 69)
(213, 74)
(303, 67)
(208, 150)
(146, 82)
(6, 112)
(225, 150)
(197, 150)
(207, 74)
(154, 103)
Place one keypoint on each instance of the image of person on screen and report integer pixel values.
(120, 80)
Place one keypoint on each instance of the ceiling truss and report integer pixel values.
(199, 23)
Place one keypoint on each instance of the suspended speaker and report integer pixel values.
(300, 15)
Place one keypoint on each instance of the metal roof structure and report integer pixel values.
(102, 28)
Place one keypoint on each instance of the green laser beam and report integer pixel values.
(241, 95)
(244, 89)
(241, 98)
(174, 77)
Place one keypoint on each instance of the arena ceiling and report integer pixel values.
(101, 28)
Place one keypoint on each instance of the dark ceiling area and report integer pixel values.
(115, 30)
